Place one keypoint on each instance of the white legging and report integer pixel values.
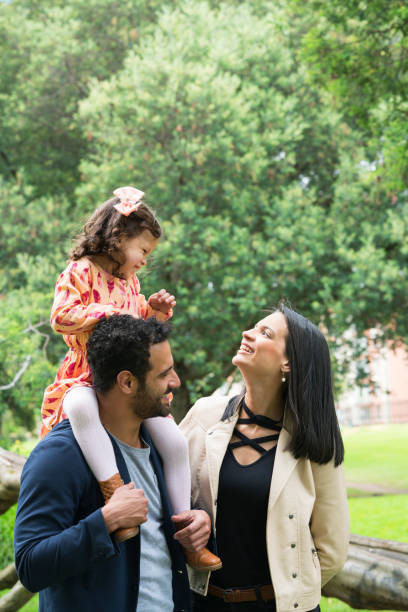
(81, 407)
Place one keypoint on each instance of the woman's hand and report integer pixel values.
(162, 301)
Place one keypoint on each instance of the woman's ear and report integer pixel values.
(127, 383)
(285, 366)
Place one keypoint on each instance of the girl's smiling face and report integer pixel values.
(136, 251)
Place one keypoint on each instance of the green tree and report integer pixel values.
(264, 189)
(249, 168)
(50, 51)
(358, 51)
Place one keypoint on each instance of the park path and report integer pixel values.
(375, 489)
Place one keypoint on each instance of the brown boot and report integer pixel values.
(108, 487)
(203, 560)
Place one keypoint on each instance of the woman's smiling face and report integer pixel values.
(262, 349)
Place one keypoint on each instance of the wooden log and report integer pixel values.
(375, 575)
(15, 598)
(11, 466)
(8, 576)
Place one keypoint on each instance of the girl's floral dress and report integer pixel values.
(85, 293)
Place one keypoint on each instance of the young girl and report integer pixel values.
(100, 281)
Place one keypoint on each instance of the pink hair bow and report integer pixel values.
(130, 199)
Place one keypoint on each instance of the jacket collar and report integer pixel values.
(217, 440)
(283, 466)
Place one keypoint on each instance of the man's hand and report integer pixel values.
(195, 529)
(126, 508)
(162, 301)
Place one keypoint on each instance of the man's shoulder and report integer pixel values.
(209, 410)
(61, 434)
(58, 448)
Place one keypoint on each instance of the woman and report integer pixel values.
(269, 463)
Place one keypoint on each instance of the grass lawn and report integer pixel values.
(382, 517)
(331, 604)
(377, 455)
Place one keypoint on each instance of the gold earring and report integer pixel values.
(283, 377)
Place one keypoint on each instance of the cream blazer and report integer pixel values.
(307, 529)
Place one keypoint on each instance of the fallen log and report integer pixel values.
(15, 598)
(8, 577)
(11, 466)
(375, 576)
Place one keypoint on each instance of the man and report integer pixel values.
(64, 537)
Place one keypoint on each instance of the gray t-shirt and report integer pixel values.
(155, 586)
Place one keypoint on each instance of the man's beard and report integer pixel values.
(146, 405)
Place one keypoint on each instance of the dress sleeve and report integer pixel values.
(75, 309)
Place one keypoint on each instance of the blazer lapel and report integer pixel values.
(283, 467)
(217, 440)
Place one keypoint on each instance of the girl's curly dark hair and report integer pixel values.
(102, 234)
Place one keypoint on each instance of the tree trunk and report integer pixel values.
(11, 466)
(375, 576)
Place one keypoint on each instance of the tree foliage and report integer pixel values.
(358, 51)
(50, 52)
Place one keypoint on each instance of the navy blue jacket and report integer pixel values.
(62, 547)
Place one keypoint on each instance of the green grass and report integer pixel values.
(377, 455)
(382, 517)
(330, 604)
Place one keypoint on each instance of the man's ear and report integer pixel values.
(127, 383)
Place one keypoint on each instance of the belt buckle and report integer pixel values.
(226, 593)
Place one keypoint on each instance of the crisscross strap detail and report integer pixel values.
(255, 443)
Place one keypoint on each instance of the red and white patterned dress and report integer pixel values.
(85, 293)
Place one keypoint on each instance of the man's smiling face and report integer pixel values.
(152, 400)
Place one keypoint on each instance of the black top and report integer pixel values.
(242, 505)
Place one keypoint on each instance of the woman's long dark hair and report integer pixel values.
(308, 394)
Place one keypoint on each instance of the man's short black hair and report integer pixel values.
(121, 342)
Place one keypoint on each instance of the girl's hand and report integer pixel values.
(162, 301)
